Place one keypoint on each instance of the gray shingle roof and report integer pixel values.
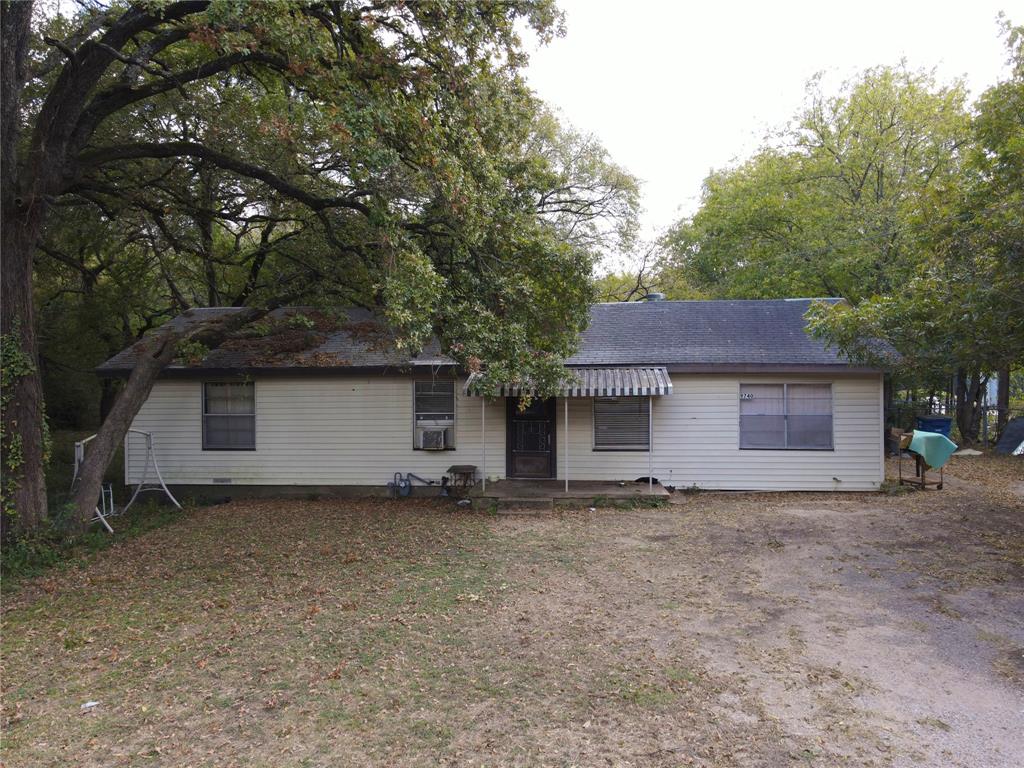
(698, 335)
(703, 333)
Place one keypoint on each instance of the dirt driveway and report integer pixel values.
(723, 630)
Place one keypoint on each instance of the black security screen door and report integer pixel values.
(531, 438)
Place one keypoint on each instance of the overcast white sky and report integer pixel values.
(675, 88)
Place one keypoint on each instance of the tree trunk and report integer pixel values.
(154, 355)
(204, 222)
(153, 358)
(23, 490)
(969, 387)
(1002, 399)
(15, 25)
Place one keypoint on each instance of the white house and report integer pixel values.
(715, 394)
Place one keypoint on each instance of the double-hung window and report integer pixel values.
(622, 424)
(786, 416)
(229, 416)
(434, 419)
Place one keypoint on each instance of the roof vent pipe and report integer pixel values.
(654, 297)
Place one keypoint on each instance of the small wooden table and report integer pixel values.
(463, 476)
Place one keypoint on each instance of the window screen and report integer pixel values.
(809, 417)
(762, 416)
(229, 416)
(622, 423)
(435, 409)
(793, 416)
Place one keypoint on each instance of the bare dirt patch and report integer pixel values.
(729, 630)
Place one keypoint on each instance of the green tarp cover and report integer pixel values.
(934, 448)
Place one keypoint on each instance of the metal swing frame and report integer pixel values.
(106, 507)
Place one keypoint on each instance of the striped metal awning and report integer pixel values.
(594, 382)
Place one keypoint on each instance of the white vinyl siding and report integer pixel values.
(311, 431)
(621, 424)
(696, 439)
(355, 431)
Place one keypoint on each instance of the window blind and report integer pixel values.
(622, 423)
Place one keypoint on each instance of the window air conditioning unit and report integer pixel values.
(432, 439)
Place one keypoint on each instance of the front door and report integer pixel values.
(531, 438)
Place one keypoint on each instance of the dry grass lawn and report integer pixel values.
(721, 630)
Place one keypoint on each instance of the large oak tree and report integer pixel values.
(396, 139)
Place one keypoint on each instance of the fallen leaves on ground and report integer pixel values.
(387, 632)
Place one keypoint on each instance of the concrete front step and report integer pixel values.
(523, 506)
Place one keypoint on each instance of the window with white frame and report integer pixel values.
(434, 419)
(229, 416)
(622, 424)
(786, 416)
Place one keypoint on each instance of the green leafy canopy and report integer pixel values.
(893, 194)
(387, 155)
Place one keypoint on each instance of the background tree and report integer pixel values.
(633, 285)
(895, 197)
(961, 313)
(96, 291)
(643, 278)
(834, 205)
(396, 142)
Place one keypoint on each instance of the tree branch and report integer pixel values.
(102, 155)
(113, 99)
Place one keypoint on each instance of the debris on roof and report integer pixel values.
(282, 337)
